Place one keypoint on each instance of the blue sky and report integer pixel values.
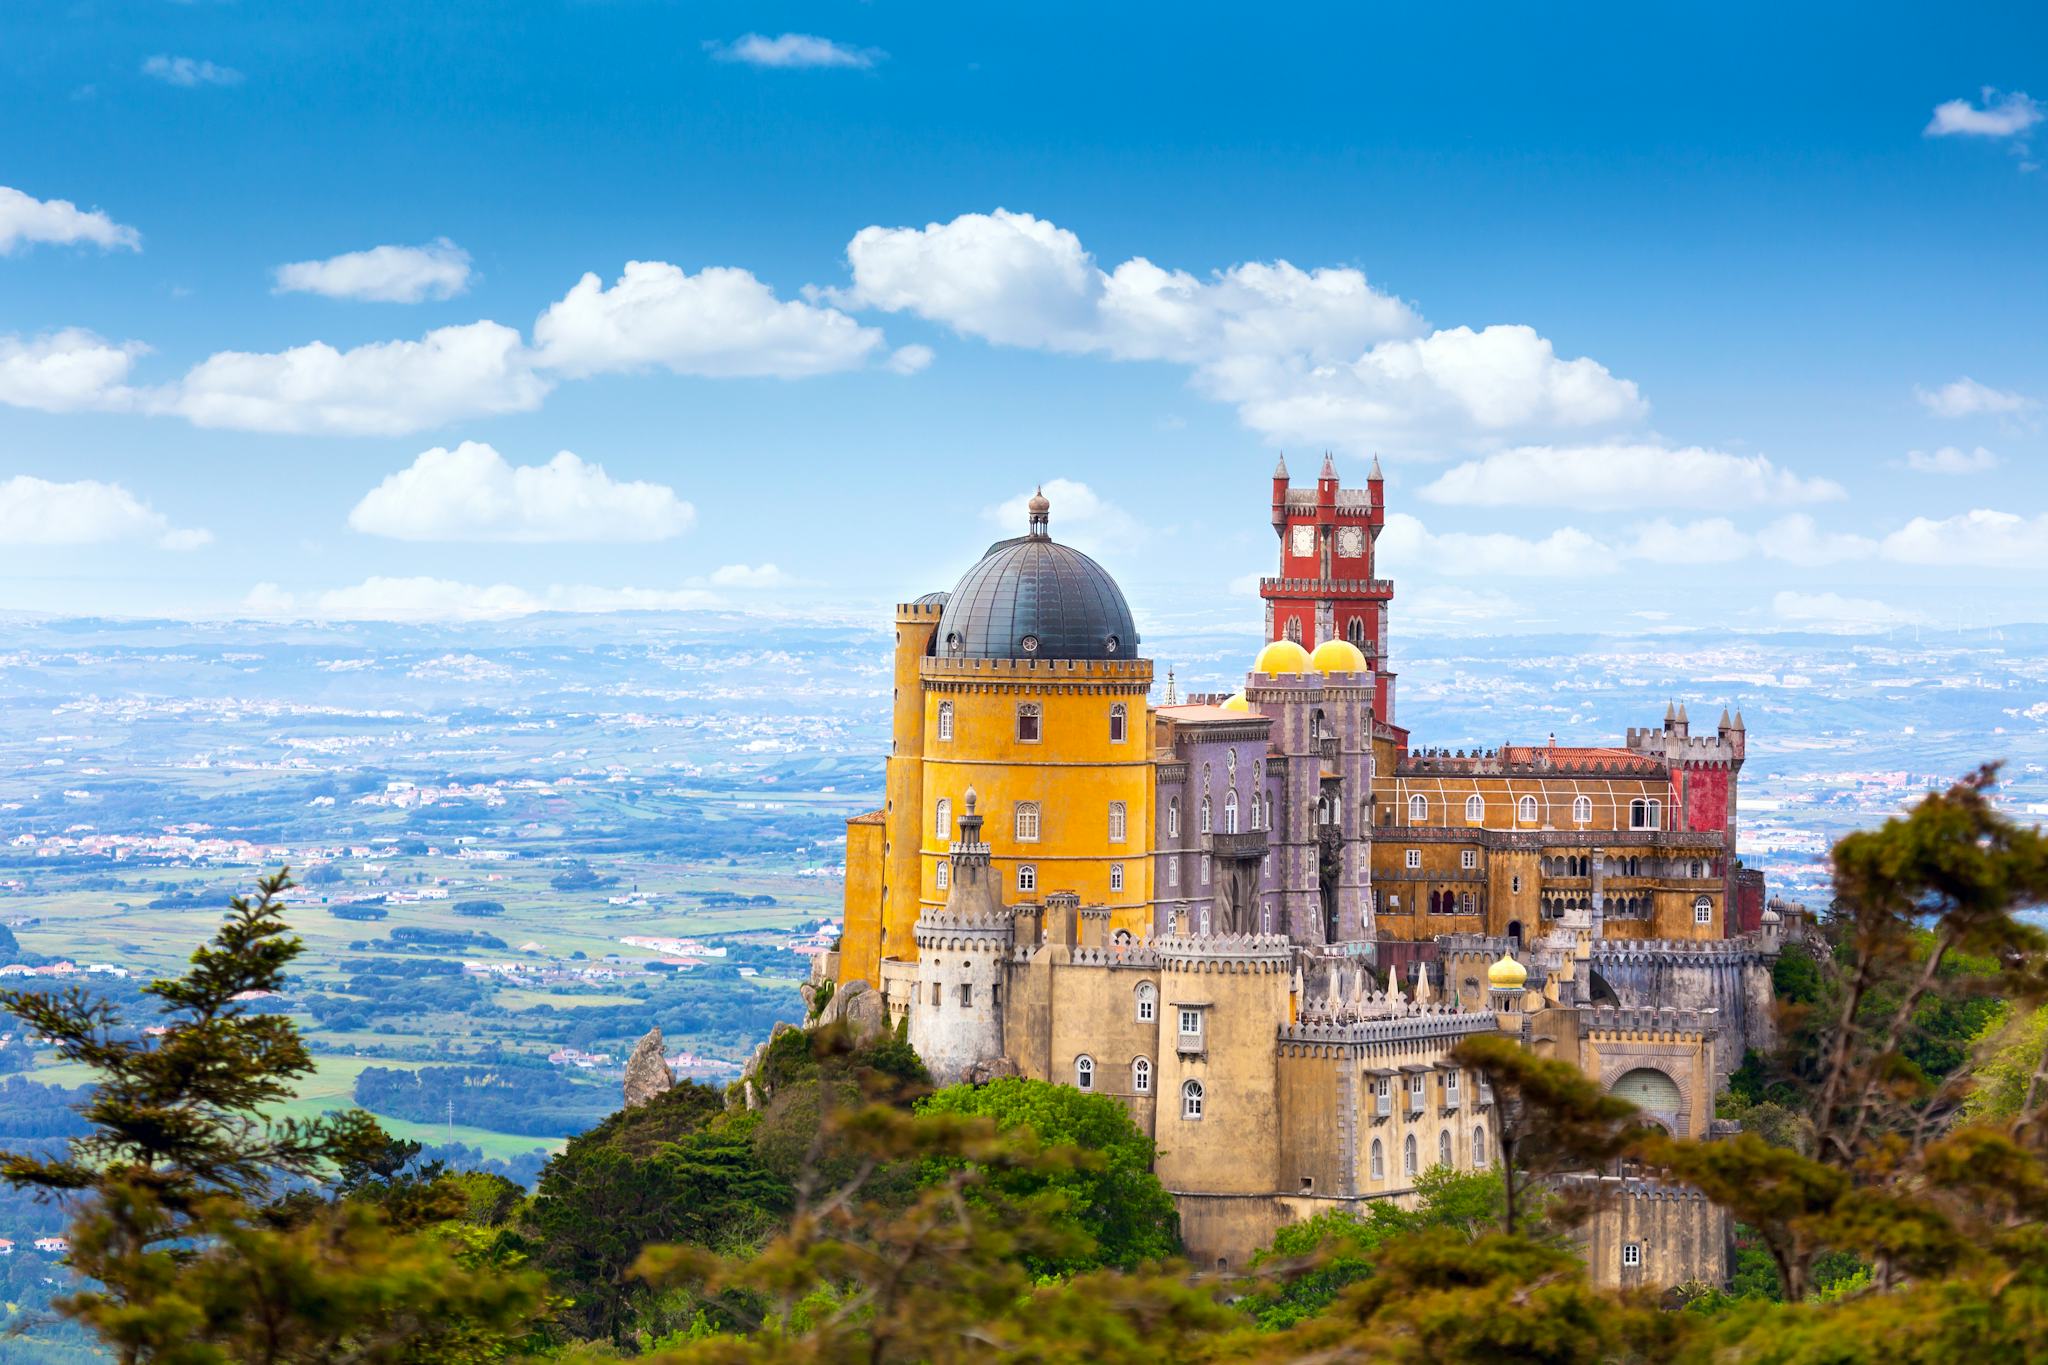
(1648, 312)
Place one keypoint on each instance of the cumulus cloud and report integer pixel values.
(84, 512)
(26, 220)
(384, 388)
(1319, 356)
(1619, 476)
(750, 576)
(719, 322)
(189, 71)
(1951, 460)
(66, 371)
(383, 274)
(1406, 546)
(1799, 540)
(1831, 611)
(1714, 540)
(432, 599)
(267, 599)
(473, 493)
(1965, 397)
(1073, 504)
(1982, 538)
(2000, 115)
(791, 51)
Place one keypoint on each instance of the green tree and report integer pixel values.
(1124, 1214)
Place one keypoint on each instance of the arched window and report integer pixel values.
(1173, 818)
(1116, 878)
(1116, 822)
(1027, 822)
(1408, 1158)
(1293, 631)
(1191, 1100)
(1379, 1161)
(1478, 1146)
(1582, 810)
(1205, 815)
(1084, 1073)
(1355, 631)
(945, 720)
(1443, 1148)
(1703, 910)
(1258, 812)
(1418, 809)
(1119, 723)
(1148, 1002)
(1475, 808)
(1141, 1076)
(1028, 722)
(1027, 877)
(1230, 812)
(1527, 807)
(942, 820)
(944, 875)
(1695, 872)
(1643, 814)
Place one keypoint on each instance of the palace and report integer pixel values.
(1262, 920)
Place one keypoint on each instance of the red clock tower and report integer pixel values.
(1325, 589)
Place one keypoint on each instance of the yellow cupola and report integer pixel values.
(1506, 974)
(1338, 656)
(1236, 702)
(1282, 656)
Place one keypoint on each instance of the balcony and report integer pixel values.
(1249, 844)
(1190, 1045)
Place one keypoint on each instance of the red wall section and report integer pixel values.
(1704, 792)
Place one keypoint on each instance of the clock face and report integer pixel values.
(1304, 541)
(1351, 541)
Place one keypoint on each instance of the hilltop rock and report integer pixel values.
(858, 1006)
(647, 1073)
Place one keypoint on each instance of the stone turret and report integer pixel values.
(963, 952)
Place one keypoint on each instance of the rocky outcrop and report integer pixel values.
(995, 1069)
(859, 1007)
(647, 1073)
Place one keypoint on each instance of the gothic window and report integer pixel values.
(1408, 1159)
(1141, 1076)
(1027, 822)
(1475, 808)
(1582, 810)
(945, 874)
(1028, 718)
(1379, 1160)
(1173, 818)
(942, 820)
(1116, 822)
(1443, 1148)
(1027, 877)
(1230, 813)
(1116, 876)
(1478, 1145)
(1528, 808)
(1191, 1100)
(1293, 631)
(1703, 911)
(1084, 1073)
(1148, 1002)
(1205, 815)
(1258, 812)
(1355, 632)
(1205, 869)
(1119, 722)
(1418, 809)
(945, 720)
(1173, 872)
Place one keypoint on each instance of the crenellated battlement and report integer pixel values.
(1655, 1020)
(1226, 952)
(1427, 1022)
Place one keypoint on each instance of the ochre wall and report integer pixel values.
(861, 936)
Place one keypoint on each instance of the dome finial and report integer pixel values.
(1039, 511)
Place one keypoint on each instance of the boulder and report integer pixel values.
(859, 1006)
(647, 1073)
(996, 1068)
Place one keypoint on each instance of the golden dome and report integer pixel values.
(1236, 702)
(1282, 656)
(1506, 974)
(1338, 656)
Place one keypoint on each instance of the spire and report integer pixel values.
(1329, 466)
(1738, 719)
(1724, 718)
(1670, 712)
(1172, 693)
(1682, 720)
(1280, 469)
(1039, 511)
(1375, 475)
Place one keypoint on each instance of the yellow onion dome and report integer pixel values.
(1338, 656)
(1506, 974)
(1236, 702)
(1282, 656)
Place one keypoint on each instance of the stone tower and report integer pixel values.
(963, 954)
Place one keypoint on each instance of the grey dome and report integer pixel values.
(1032, 598)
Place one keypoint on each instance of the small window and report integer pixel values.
(945, 720)
(1191, 1023)
(1418, 809)
(1027, 822)
(1468, 859)
(1148, 1003)
(1515, 884)
(1379, 1160)
(1695, 872)
(1443, 1148)
(1028, 722)
(1117, 822)
(944, 876)
(966, 995)
(1408, 1158)
(942, 820)
(1465, 902)
(1205, 869)
(1173, 872)
(1417, 1085)
(1414, 858)
(1644, 814)
(1451, 1084)
(1027, 877)
(938, 993)
(1230, 813)
(1582, 810)
(1631, 1254)
(1173, 818)
(1205, 815)
(1116, 876)
(1478, 1145)
(1475, 808)
(1528, 808)
(1191, 1100)
(1119, 723)
(1084, 1073)
(1141, 1076)
(1703, 911)
(1258, 812)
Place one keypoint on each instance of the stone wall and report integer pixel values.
(1732, 978)
(1679, 1236)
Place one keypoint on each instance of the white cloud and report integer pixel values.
(473, 493)
(1714, 540)
(720, 322)
(1073, 504)
(84, 512)
(1797, 539)
(1998, 116)
(1408, 547)
(1951, 460)
(1965, 397)
(793, 50)
(25, 219)
(1982, 538)
(66, 371)
(910, 359)
(750, 576)
(1448, 607)
(267, 599)
(1620, 476)
(189, 71)
(428, 599)
(1318, 356)
(1833, 612)
(383, 274)
(385, 388)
